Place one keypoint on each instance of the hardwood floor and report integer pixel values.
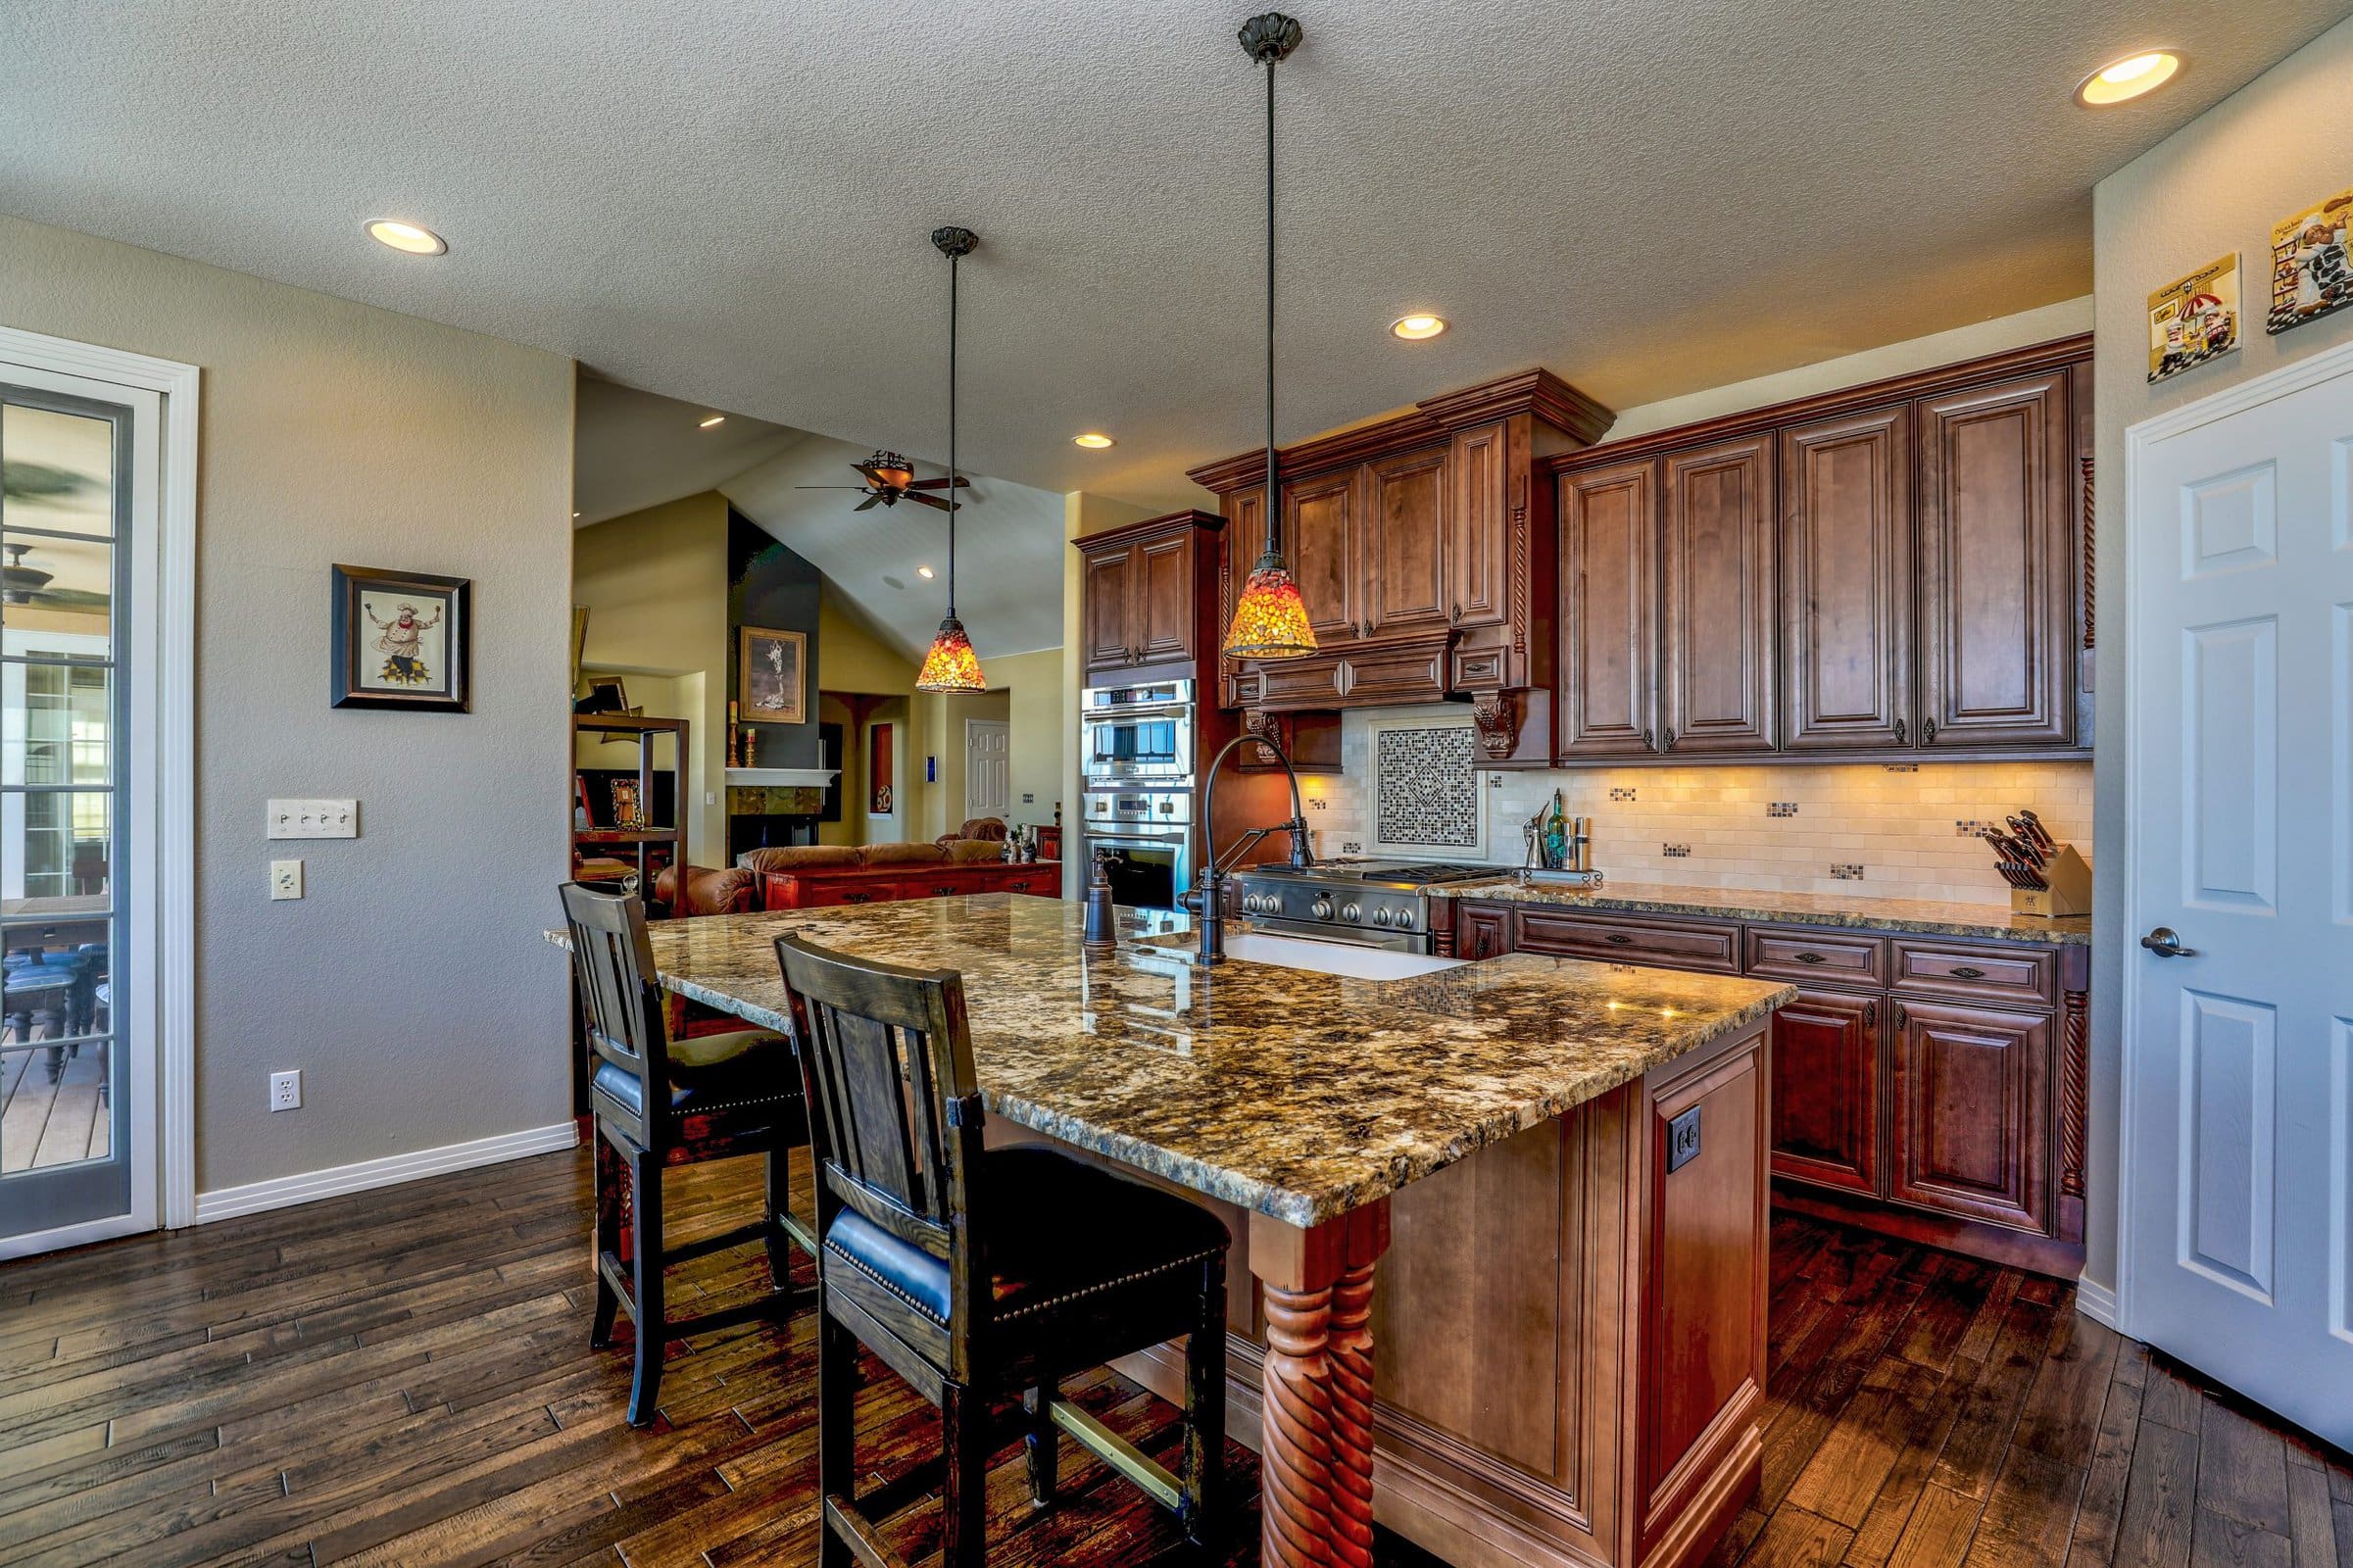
(403, 1377)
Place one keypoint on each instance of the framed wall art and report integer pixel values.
(2311, 269)
(402, 640)
(2195, 319)
(772, 675)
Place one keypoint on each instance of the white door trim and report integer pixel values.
(170, 673)
(2139, 438)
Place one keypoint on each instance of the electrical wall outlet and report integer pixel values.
(314, 819)
(286, 1090)
(286, 879)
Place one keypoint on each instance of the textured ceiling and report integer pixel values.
(729, 203)
(633, 449)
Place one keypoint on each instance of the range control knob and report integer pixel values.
(1350, 913)
(1380, 916)
(1404, 920)
(1321, 908)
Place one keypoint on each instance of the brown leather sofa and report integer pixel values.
(817, 875)
(732, 891)
(990, 828)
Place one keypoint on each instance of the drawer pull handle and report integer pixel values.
(1620, 939)
(1870, 1015)
(942, 892)
(1903, 1020)
(1965, 972)
(1809, 958)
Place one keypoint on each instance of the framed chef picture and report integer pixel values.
(2195, 319)
(2312, 264)
(402, 640)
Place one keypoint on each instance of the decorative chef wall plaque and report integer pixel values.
(2195, 319)
(2311, 272)
(402, 639)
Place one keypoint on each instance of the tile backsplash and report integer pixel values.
(1831, 827)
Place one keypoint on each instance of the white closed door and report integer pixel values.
(2239, 1045)
(988, 768)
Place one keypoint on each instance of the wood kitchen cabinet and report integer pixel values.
(1826, 1090)
(1719, 598)
(1847, 570)
(1931, 1087)
(1320, 525)
(1147, 594)
(1996, 653)
(1876, 572)
(1608, 591)
(1403, 542)
(1969, 1132)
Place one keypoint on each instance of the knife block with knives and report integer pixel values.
(2046, 878)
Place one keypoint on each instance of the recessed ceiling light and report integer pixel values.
(714, 419)
(2129, 77)
(1093, 440)
(925, 572)
(1414, 328)
(576, 514)
(407, 238)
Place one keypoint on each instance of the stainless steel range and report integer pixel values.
(1378, 903)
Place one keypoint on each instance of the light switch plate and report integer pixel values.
(314, 819)
(286, 879)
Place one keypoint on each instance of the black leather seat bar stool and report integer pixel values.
(975, 1273)
(657, 1102)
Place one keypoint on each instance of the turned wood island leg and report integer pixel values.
(1316, 1447)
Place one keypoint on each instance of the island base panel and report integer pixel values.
(1567, 1341)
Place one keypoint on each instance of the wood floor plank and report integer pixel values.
(2100, 1511)
(2159, 1497)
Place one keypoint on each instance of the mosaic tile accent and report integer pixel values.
(1425, 793)
(1621, 792)
(1781, 808)
(1676, 852)
(1845, 871)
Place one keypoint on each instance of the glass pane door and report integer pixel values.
(65, 500)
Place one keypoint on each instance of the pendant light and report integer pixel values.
(1270, 619)
(952, 665)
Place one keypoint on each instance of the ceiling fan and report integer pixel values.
(21, 585)
(891, 479)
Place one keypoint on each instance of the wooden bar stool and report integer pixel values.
(659, 1102)
(974, 1273)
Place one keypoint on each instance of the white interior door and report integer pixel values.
(988, 768)
(2238, 1053)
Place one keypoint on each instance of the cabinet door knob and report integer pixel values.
(1927, 731)
(1903, 1020)
(1649, 744)
(1454, 613)
(1899, 732)
(1670, 742)
(1871, 1015)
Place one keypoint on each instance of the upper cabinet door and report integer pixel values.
(1608, 636)
(1109, 598)
(1716, 534)
(1404, 535)
(1996, 573)
(1846, 581)
(1319, 535)
(1477, 548)
(1164, 614)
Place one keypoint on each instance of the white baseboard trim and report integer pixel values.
(283, 1191)
(2098, 1302)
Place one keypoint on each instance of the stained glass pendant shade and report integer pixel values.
(950, 664)
(1270, 619)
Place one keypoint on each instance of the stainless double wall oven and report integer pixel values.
(1136, 758)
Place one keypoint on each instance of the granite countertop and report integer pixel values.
(1297, 1094)
(1988, 923)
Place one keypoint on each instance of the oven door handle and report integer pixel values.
(1113, 716)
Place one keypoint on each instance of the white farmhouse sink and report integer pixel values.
(1324, 958)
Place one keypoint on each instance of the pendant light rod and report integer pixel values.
(953, 243)
(1268, 39)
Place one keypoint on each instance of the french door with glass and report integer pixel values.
(77, 479)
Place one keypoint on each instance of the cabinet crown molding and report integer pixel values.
(1145, 528)
(2057, 354)
(1535, 392)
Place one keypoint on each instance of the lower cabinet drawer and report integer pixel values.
(1412, 674)
(1041, 883)
(1678, 944)
(1995, 974)
(1825, 957)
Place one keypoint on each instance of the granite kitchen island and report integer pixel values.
(1536, 1185)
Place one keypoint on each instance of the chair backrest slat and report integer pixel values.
(885, 1052)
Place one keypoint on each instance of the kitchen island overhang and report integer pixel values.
(1572, 1336)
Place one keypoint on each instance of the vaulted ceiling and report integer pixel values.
(729, 203)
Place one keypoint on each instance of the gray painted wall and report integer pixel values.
(411, 984)
(2279, 144)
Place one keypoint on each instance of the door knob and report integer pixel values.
(2166, 943)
